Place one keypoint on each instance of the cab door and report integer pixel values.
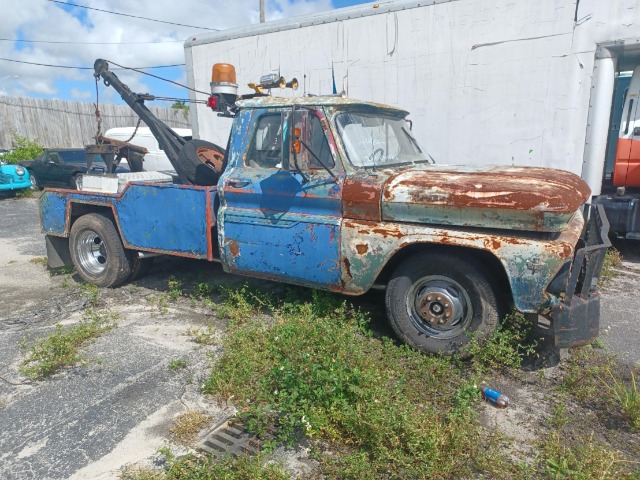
(626, 171)
(278, 220)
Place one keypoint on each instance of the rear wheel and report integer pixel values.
(201, 162)
(139, 266)
(97, 251)
(436, 303)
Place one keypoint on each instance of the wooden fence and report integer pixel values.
(61, 123)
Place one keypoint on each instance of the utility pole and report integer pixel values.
(261, 11)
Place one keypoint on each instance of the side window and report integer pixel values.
(314, 149)
(319, 146)
(265, 150)
(55, 158)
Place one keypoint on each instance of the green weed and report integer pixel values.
(611, 265)
(193, 467)
(511, 342)
(204, 336)
(318, 371)
(187, 425)
(583, 459)
(39, 261)
(178, 363)
(627, 398)
(63, 347)
(92, 293)
(584, 370)
(174, 289)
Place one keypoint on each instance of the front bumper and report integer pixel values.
(575, 320)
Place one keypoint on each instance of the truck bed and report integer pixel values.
(158, 218)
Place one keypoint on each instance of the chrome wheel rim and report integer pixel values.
(439, 306)
(34, 182)
(92, 252)
(78, 182)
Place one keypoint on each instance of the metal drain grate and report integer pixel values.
(231, 438)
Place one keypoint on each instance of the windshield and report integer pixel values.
(378, 140)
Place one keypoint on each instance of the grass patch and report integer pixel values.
(204, 336)
(625, 397)
(92, 292)
(316, 370)
(612, 263)
(187, 426)
(39, 261)
(26, 193)
(178, 363)
(193, 467)
(511, 342)
(584, 371)
(63, 347)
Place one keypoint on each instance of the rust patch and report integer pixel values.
(492, 243)
(234, 249)
(388, 232)
(525, 188)
(361, 198)
(347, 268)
(362, 248)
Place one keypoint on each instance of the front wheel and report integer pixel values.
(97, 251)
(76, 182)
(34, 181)
(437, 302)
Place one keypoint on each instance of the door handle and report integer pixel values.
(238, 183)
(636, 132)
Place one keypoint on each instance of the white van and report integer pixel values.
(155, 160)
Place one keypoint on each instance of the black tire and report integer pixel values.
(97, 251)
(200, 162)
(437, 302)
(35, 185)
(139, 266)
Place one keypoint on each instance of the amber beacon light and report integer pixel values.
(223, 79)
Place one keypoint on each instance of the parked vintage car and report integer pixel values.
(62, 167)
(13, 178)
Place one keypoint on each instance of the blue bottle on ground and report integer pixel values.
(494, 397)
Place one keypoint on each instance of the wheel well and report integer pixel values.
(489, 261)
(79, 209)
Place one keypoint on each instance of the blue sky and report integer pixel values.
(47, 32)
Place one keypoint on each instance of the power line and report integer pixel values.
(86, 43)
(131, 16)
(86, 68)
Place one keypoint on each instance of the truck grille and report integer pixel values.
(588, 260)
(5, 178)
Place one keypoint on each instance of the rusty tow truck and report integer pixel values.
(333, 193)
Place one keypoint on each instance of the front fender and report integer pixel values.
(529, 263)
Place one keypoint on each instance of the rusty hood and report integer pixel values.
(515, 198)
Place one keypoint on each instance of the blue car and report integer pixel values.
(13, 178)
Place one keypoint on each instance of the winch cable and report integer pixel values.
(98, 116)
(159, 78)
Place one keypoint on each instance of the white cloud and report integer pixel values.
(79, 94)
(43, 20)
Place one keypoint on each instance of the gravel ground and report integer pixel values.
(88, 422)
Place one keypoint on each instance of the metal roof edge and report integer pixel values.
(320, 18)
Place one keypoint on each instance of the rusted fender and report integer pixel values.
(515, 198)
(530, 264)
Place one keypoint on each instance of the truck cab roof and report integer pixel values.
(268, 101)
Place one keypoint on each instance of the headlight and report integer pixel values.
(20, 171)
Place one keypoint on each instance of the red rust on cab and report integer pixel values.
(361, 198)
(555, 191)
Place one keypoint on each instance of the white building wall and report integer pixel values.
(486, 81)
